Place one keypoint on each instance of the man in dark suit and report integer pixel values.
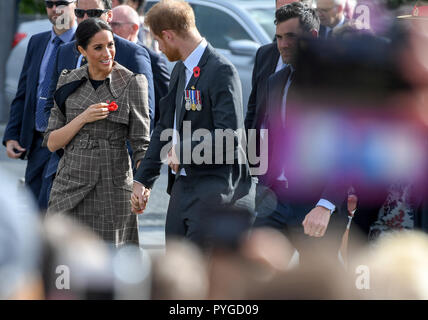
(267, 62)
(128, 54)
(204, 101)
(126, 24)
(298, 200)
(23, 135)
(332, 16)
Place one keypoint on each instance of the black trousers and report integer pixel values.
(191, 215)
(35, 173)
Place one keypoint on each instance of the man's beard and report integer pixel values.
(290, 57)
(173, 54)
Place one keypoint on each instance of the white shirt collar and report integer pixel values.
(196, 55)
(341, 22)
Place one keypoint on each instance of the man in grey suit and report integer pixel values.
(204, 100)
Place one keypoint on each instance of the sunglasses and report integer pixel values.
(92, 13)
(50, 4)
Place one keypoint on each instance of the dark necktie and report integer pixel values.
(41, 121)
(180, 94)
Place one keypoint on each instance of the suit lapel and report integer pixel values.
(274, 57)
(193, 82)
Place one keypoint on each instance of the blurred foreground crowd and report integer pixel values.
(62, 260)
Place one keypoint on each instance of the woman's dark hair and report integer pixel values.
(87, 29)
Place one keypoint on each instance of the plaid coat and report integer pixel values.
(94, 179)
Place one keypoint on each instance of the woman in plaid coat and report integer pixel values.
(94, 179)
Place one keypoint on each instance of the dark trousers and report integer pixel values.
(191, 215)
(36, 171)
(287, 217)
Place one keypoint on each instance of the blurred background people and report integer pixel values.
(24, 132)
(331, 14)
(126, 24)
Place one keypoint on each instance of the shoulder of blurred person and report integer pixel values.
(20, 242)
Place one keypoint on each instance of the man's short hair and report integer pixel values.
(106, 3)
(307, 16)
(170, 15)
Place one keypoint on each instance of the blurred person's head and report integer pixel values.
(172, 23)
(77, 263)
(294, 21)
(125, 22)
(94, 9)
(330, 12)
(20, 243)
(350, 8)
(137, 5)
(61, 14)
(180, 274)
(397, 265)
(268, 247)
(115, 3)
(94, 40)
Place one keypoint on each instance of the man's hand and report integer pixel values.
(139, 198)
(173, 162)
(316, 222)
(14, 149)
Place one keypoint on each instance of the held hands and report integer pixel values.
(95, 112)
(316, 222)
(139, 198)
(14, 149)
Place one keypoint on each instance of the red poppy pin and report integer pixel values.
(112, 106)
(196, 72)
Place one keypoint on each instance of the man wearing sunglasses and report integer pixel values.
(24, 132)
(128, 54)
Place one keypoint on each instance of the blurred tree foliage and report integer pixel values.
(394, 4)
(32, 7)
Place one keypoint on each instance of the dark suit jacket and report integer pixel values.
(323, 30)
(265, 64)
(221, 93)
(303, 189)
(128, 54)
(160, 77)
(21, 125)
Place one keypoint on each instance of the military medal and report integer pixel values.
(198, 100)
(187, 98)
(192, 93)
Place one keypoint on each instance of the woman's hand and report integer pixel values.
(95, 112)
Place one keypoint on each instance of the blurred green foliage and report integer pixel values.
(32, 7)
(394, 4)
